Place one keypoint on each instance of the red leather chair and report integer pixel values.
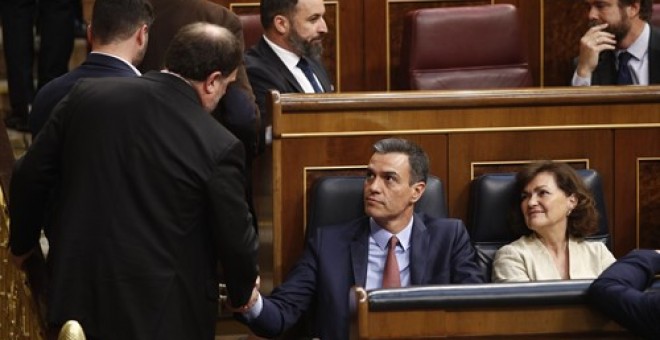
(463, 48)
(252, 29)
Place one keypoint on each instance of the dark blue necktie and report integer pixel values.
(623, 76)
(304, 66)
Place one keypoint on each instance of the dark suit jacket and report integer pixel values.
(95, 66)
(606, 74)
(335, 260)
(267, 72)
(150, 199)
(619, 293)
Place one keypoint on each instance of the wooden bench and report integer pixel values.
(615, 130)
(530, 309)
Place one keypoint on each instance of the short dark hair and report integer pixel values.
(201, 48)
(583, 220)
(117, 20)
(417, 158)
(645, 8)
(271, 8)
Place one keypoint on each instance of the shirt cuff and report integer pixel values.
(255, 310)
(269, 135)
(580, 81)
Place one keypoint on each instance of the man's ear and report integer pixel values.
(142, 35)
(418, 190)
(633, 9)
(281, 24)
(210, 83)
(89, 35)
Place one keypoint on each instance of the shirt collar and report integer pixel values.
(640, 47)
(120, 59)
(289, 58)
(382, 236)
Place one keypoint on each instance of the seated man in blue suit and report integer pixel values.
(119, 34)
(620, 292)
(426, 250)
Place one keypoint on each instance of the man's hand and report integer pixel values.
(592, 43)
(253, 299)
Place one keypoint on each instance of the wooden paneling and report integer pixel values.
(594, 146)
(465, 132)
(648, 198)
(637, 154)
(565, 23)
(545, 322)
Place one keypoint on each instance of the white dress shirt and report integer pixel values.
(291, 59)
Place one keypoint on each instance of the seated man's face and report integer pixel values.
(388, 195)
(308, 28)
(608, 11)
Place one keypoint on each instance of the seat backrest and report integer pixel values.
(492, 196)
(472, 47)
(252, 29)
(339, 199)
(655, 18)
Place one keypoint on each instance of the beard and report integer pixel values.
(139, 55)
(619, 30)
(312, 48)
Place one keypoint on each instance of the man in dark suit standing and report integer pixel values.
(390, 247)
(237, 109)
(119, 35)
(620, 292)
(287, 58)
(150, 198)
(621, 47)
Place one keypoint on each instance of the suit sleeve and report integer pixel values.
(33, 179)
(231, 222)
(509, 265)
(619, 292)
(465, 268)
(283, 308)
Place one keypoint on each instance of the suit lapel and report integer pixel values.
(605, 73)
(654, 56)
(419, 247)
(277, 63)
(321, 75)
(360, 252)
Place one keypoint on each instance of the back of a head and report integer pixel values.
(117, 20)
(271, 8)
(200, 49)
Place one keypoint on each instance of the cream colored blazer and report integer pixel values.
(527, 259)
